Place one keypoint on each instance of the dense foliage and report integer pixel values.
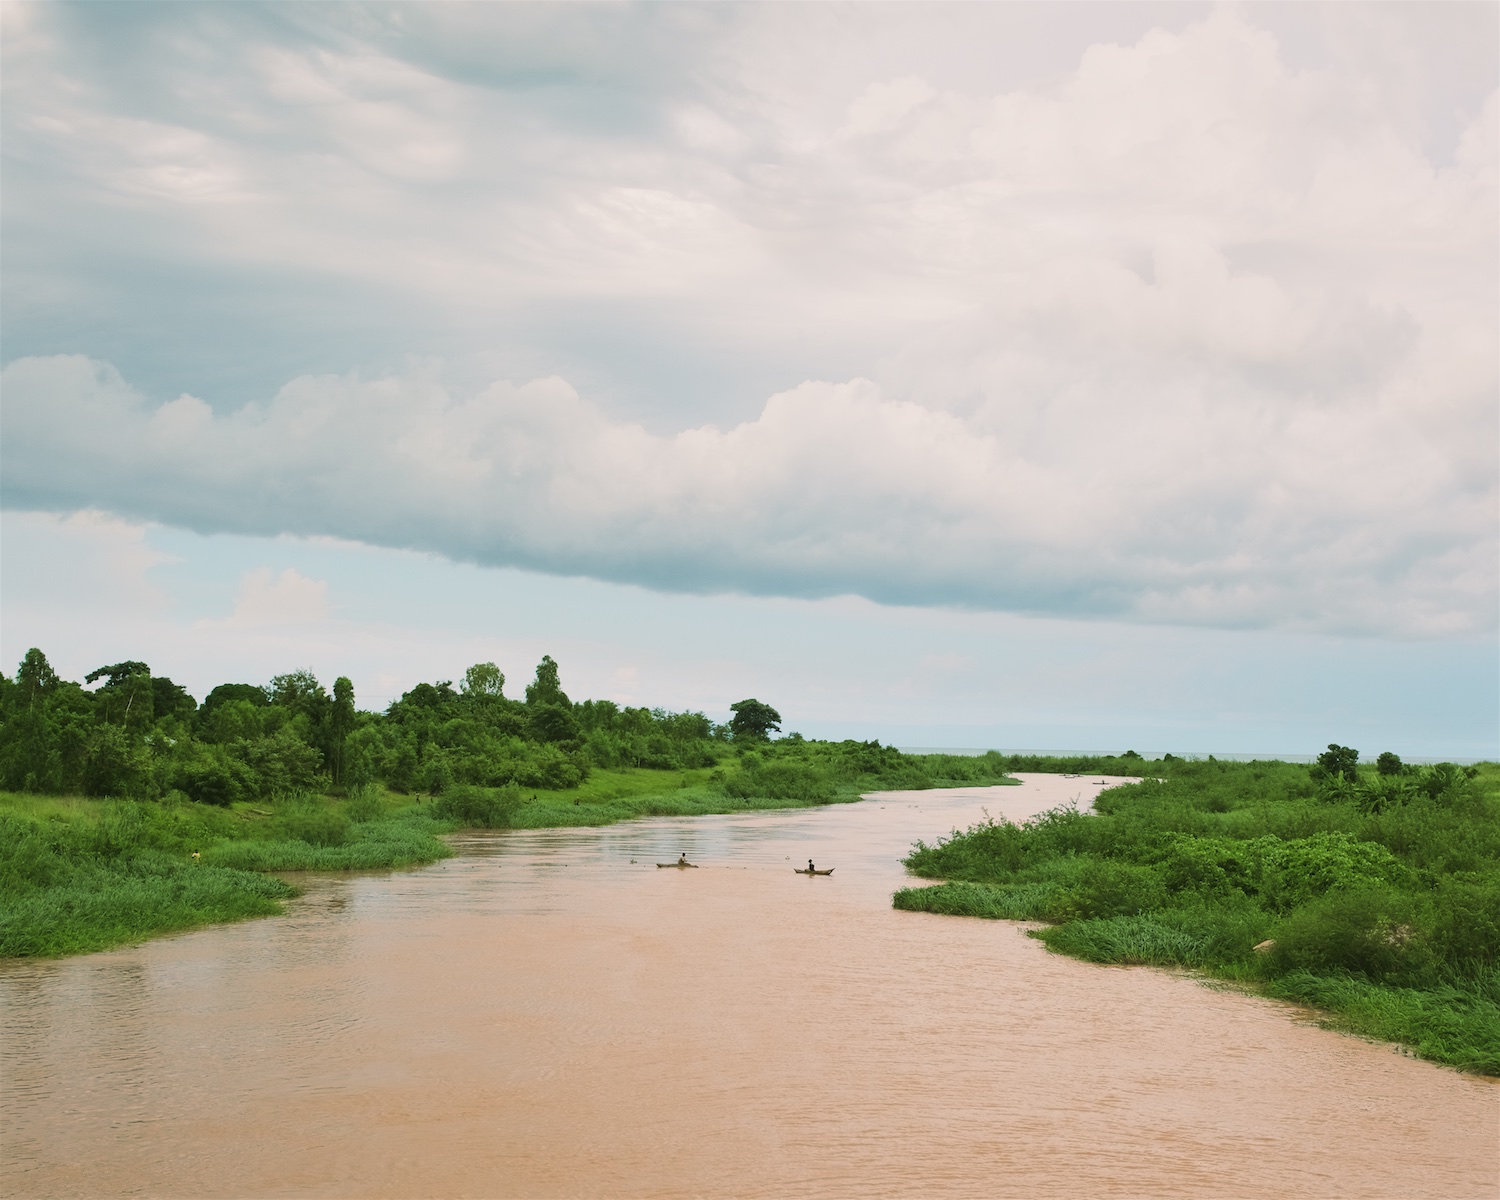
(1372, 893)
(141, 736)
(171, 804)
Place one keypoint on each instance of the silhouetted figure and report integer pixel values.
(682, 860)
(810, 867)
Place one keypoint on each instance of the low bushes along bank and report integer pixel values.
(1376, 899)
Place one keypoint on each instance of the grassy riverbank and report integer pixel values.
(1374, 896)
(79, 874)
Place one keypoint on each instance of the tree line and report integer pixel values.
(142, 736)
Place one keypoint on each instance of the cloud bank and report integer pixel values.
(1230, 513)
(1180, 333)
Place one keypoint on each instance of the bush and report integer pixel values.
(479, 807)
(1129, 940)
(315, 825)
(1463, 924)
(549, 769)
(1103, 888)
(801, 782)
(211, 778)
(1024, 902)
(1301, 869)
(1371, 932)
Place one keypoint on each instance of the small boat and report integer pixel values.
(807, 871)
(679, 865)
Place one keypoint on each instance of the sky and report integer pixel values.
(1019, 375)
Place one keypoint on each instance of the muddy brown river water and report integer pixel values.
(551, 1015)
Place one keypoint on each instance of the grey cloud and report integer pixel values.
(1168, 329)
(834, 488)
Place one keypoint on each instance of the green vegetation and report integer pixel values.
(133, 810)
(1373, 894)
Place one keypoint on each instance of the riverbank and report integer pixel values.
(496, 1025)
(80, 874)
(1374, 898)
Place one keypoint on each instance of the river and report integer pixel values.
(549, 1014)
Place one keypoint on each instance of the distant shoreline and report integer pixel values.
(1191, 756)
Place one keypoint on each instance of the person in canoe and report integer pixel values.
(811, 870)
(682, 861)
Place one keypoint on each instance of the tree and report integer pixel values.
(1340, 761)
(340, 723)
(126, 696)
(170, 699)
(483, 680)
(117, 675)
(546, 688)
(552, 723)
(301, 692)
(1389, 764)
(753, 721)
(35, 677)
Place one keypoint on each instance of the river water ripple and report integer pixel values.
(549, 1014)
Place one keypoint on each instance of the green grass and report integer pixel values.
(1383, 914)
(1024, 902)
(1447, 1025)
(78, 875)
(404, 840)
(74, 888)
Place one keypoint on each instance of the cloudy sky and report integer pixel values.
(1019, 375)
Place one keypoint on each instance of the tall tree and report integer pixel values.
(547, 688)
(340, 723)
(483, 681)
(36, 677)
(753, 720)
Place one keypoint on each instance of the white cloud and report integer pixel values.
(69, 562)
(1184, 332)
(286, 599)
(1172, 505)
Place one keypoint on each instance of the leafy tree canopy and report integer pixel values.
(118, 674)
(250, 693)
(753, 720)
(483, 680)
(1340, 761)
(35, 676)
(1389, 764)
(546, 688)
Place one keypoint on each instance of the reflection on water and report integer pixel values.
(550, 1014)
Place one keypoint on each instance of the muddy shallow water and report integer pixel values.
(543, 1016)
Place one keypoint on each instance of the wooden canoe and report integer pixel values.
(693, 865)
(805, 871)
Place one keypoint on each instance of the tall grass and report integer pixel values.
(86, 875)
(68, 890)
(1378, 904)
(368, 845)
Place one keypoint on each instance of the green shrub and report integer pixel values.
(1103, 888)
(479, 807)
(1297, 871)
(1135, 939)
(1369, 931)
(1463, 924)
(1023, 902)
(399, 841)
(314, 824)
(1380, 893)
(548, 768)
(801, 782)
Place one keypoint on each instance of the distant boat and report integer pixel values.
(679, 865)
(810, 871)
